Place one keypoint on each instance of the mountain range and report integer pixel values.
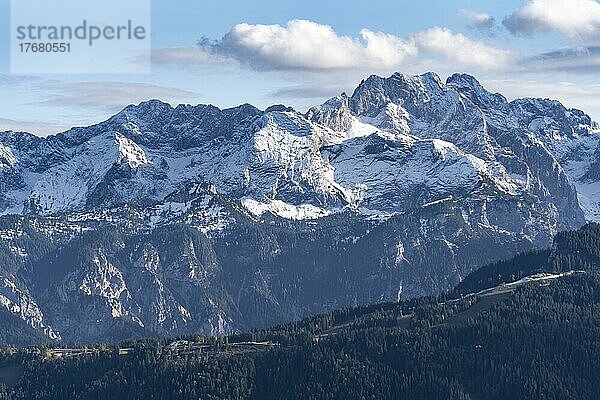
(170, 220)
(523, 328)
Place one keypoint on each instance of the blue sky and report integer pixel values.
(300, 53)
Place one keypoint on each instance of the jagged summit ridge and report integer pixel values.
(280, 154)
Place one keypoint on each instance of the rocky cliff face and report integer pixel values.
(167, 220)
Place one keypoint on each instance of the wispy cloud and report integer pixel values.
(576, 60)
(83, 103)
(311, 91)
(190, 56)
(35, 127)
(14, 80)
(108, 96)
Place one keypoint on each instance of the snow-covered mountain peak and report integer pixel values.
(470, 87)
(279, 107)
(419, 95)
(427, 82)
(145, 111)
(550, 118)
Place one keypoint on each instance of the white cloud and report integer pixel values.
(460, 49)
(309, 46)
(386, 49)
(576, 18)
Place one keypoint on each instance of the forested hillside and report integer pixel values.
(537, 338)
